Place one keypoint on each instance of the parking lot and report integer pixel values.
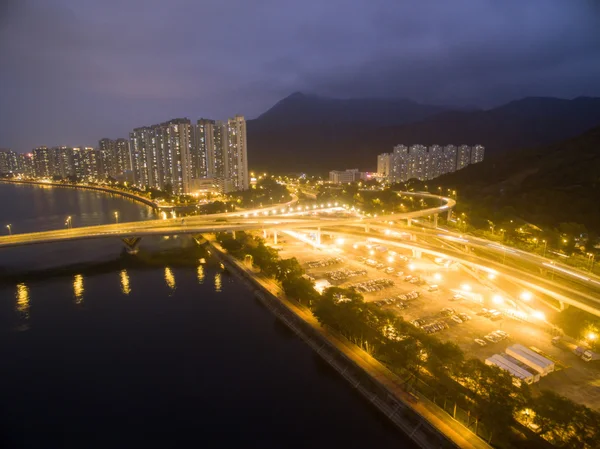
(446, 301)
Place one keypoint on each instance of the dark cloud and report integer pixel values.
(77, 70)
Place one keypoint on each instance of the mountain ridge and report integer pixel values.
(326, 141)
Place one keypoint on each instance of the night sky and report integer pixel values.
(74, 71)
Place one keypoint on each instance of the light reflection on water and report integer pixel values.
(22, 305)
(200, 272)
(218, 282)
(125, 288)
(78, 288)
(170, 278)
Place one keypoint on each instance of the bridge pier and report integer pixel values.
(367, 229)
(233, 233)
(416, 253)
(408, 222)
(435, 220)
(449, 214)
(131, 244)
(275, 237)
(318, 236)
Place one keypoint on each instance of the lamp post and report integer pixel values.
(9, 229)
(545, 245)
(116, 217)
(68, 222)
(591, 257)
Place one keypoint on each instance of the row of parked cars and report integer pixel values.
(398, 300)
(492, 337)
(430, 328)
(492, 314)
(324, 262)
(458, 318)
(416, 280)
(372, 285)
(344, 273)
(389, 301)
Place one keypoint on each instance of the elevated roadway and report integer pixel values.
(274, 217)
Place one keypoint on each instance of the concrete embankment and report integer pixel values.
(129, 195)
(428, 426)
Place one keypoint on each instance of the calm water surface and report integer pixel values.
(106, 353)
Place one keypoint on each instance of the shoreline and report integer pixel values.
(131, 196)
(413, 415)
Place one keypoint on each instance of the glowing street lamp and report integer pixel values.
(465, 287)
(68, 222)
(339, 241)
(437, 276)
(539, 315)
(526, 296)
(497, 299)
(9, 229)
(591, 336)
(116, 217)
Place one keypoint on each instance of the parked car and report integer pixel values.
(399, 273)
(389, 270)
(502, 334)
(480, 342)
(433, 288)
(464, 316)
(456, 319)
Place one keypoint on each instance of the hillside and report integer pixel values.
(546, 184)
(346, 139)
(302, 109)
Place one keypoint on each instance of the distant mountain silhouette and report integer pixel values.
(547, 184)
(303, 109)
(316, 134)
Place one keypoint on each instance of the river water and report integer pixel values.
(99, 350)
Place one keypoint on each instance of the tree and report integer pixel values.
(300, 288)
(288, 269)
(564, 423)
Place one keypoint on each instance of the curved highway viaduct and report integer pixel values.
(275, 217)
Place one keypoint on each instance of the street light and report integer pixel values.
(545, 245)
(116, 217)
(9, 229)
(526, 296)
(68, 222)
(591, 257)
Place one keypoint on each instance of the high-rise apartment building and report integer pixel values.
(463, 157)
(236, 162)
(434, 162)
(25, 164)
(420, 162)
(449, 158)
(61, 161)
(108, 157)
(8, 162)
(161, 155)
(123, 157)
(177, 152)
(203, 148)
(384, 162)
(477, 154)
(42, 162)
